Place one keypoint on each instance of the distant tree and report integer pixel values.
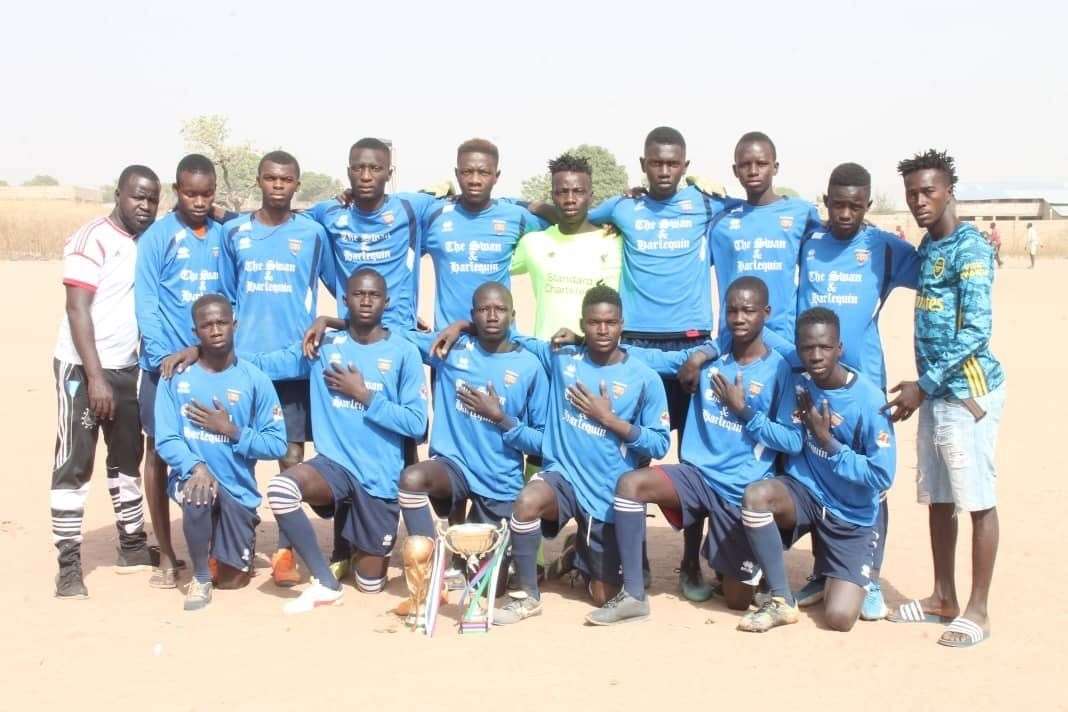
(40, 180)
(235, 164)
(317, 186)
(609, 177)
(786, 192)
(882, 204)
(3, 183)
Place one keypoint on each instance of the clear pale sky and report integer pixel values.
(90, 87)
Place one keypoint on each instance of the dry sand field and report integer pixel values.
(132, 647)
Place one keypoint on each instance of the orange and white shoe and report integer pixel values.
(213, 568)
(284, 569)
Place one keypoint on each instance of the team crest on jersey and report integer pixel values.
(510, 378)
(939, 267)
(734, 224)
(276, 414)
(786, 222)
(618, 389)
(214, 250)
(755, 387)
(882, 439)
(183, 253)
(499, 226)
(446, 226)
(686, 206)
(862, 256)
(384, 364)
(665, 419)
(244, 243)
(183, 388)
(836, 419)
(233, 395)
(335, 357)
(387, 217)
(295, 245)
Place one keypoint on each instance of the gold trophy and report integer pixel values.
(418, 553)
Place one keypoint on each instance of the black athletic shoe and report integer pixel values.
(69, 583)
(129, 561)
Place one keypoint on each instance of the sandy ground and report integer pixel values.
(129, 644)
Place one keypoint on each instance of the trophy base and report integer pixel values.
(478, 625)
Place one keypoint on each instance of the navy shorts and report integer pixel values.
(233, 527)
(295, 398)
(596, 551)
(678, 399)
(371, 522)
(726, 546)
(846, 551)
(483, 509)
(146, 401)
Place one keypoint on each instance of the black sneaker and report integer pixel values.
(130, 561)
(69, 583)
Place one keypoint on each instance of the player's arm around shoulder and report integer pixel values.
(264, 438)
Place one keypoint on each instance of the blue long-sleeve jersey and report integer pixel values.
(470, 249)
(954, 316)
(848, 478)
(252, 404)
(733, 451)
(763, 241)
(271, 274)
(175, 267)
(588, 456)
(368, 442)
(491, 458)
(387, 240)
(666, 285)
(853, 278)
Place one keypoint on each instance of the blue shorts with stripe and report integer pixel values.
(370, 524)
(233, 527)
(726, 546)
(596, 551)
(846, 551)
(483, 509)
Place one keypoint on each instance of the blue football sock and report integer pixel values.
(630, 533)
(526, 537)
(197, 525)
(415, 508)
(766, 542)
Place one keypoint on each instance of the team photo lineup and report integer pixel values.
(194, 342)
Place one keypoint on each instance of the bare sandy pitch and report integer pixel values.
(131, 645)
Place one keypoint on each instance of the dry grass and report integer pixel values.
(37, 229)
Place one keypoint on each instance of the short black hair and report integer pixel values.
(757, 137)
(207, 300)
(195, 163)
(365, 271)
(750, 283)
(138, 171)
(375, 144)
(850, 174)
(601, 293)
(478, 145)
(930, 159)
(570, 163)
(818, 315)
(491, 286)
(281, 158)
(665, 136)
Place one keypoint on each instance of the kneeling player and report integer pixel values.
(367, 395)
(490, 398)
(212, 423)
(737, 420)
(832, 487)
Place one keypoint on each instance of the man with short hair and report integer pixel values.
(177, 262)
(960, 395)
(1033, 243)
(95, 365)
(213, 422)
(995, 241)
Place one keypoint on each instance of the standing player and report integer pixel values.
(213, 422)
(377, 230)
(565, 260)
(368, 395)
(995, 242)
(739, 418)
(851, 267)
(832, 486)
(666, 285)
(472, 240)
(1033, 243)
(177, 262)
(272, 262)
(95, 365)
(761, 236)
(960, 395)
